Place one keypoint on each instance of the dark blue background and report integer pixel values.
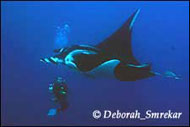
(160, 36)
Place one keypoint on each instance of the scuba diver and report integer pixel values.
(59, 90)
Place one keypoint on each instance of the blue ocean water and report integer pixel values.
(160, 36)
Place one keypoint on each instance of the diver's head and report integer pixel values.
(59, 80)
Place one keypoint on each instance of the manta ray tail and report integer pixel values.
(119, 43)
(167, 74)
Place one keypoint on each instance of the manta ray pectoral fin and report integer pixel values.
(119, 43)
(132, 19)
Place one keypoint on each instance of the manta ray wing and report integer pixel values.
(119, 43)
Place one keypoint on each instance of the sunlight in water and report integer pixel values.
(61, 39)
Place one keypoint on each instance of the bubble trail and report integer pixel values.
(61, 39)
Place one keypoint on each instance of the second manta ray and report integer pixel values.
(113, 56)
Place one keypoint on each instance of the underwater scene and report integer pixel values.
(94, 63)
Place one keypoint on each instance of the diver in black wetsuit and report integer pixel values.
(59, 90)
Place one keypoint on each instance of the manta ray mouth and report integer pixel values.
(69, 58)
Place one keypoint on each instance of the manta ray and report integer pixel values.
(111, 57)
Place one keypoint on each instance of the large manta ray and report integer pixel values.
(112, 57)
